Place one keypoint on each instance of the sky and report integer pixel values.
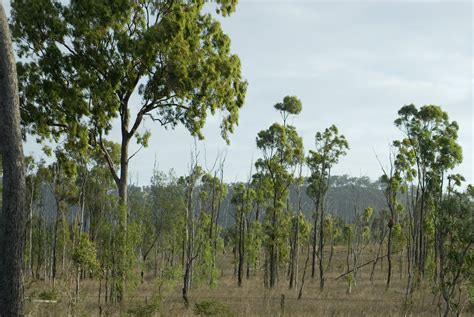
(352, 64)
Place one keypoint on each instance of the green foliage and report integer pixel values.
(429, 148)
(290, 105)
(211, 308)
(145, 310)
(304, 229)
(398, 237)
(84, 255)
(204, 269)
(347, 232)
(470, 292)
(455, 225)
(282, 150)
(143, 139)
(90, 57)
(253, 243)
(329, 147)
(48, 295)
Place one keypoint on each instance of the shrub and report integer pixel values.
(211, 308)
(48, 295)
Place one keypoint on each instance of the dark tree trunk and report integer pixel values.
(321, 247)
(314, 242)
(12, 217)
(273, 248)
(300, 293)
(123, 212)
(389, 253)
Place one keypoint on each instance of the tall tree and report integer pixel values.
(425, 155)
(330, 146)
(189, 251)
(89, 62)
(282, 150)
(455, 224)
(12, 217)
(392, 187)
(242, 199)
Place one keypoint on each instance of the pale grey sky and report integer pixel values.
(351, 63)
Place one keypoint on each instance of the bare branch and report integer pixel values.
(110, 163)
(136, 152)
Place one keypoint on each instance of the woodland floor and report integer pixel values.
(252, 299)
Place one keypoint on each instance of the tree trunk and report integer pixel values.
(273, 248)
(315, 235)
(12, 217)
(30, 230)
(122, 257)
(300, 293)
(321, 247)
(241, 232)
(389, 253)
(331, 252)
(294, 254)
(188, 245)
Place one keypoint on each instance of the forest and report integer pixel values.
(78, 237)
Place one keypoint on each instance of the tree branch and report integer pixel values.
(136, 152)
(110, 163)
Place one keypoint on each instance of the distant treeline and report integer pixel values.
(346, 195)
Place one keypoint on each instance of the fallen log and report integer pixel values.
(362, 265)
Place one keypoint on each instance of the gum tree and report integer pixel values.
(329, 147)
(455, 223)
(90, 64)
(427, 152)
(393, 186)
(282, 150)
(242, 198)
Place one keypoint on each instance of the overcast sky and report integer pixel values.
(353, 64)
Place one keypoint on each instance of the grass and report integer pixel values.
(252, 299)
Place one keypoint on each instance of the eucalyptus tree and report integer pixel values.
(282, 150)
(393, 186)
(455, 229)
(84, 257)
(140, 219)
(190, 253)
(12, 215)
(360, 239)
(168, 217)
(329, 147)
(301, 237)
(295, 234)
(33, 187)
(242, 198)
(87, 63)
(212, 193)
(61, 178)
(427, 152)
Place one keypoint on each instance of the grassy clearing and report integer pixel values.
(153, 298)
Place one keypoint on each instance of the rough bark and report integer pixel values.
(12, 220)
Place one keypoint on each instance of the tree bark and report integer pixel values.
(315, 235)
(12, 217)
(321, 247)
(123, 207)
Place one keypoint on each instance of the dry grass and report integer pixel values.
(252, 299)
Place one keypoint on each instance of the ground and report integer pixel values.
(154, 298)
